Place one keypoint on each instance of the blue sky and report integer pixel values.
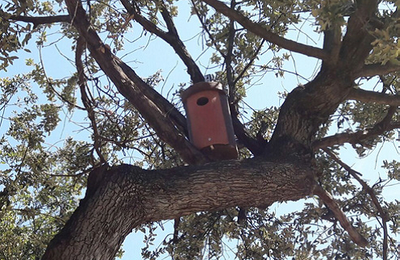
(158, 55)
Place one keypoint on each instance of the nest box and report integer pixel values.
(209, 120)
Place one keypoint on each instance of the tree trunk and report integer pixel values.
(121, 198)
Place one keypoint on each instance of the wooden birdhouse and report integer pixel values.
(209, 120)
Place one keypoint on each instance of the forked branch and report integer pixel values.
(171, 37)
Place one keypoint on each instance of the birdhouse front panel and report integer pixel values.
(207, 122)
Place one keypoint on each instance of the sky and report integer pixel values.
(154, 57)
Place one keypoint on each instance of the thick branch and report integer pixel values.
(134, 89)
(332, 43)
(166, 107)
(42, 19)
(356, 44)
(168, 20)
(371, 70)
(374, 97)
(265, 34)
(124, 197)
(362, 135)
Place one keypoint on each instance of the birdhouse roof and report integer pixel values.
(201, 86)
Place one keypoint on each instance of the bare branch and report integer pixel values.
(374, 97)
(228, 58)
(168, 20)
(213, 41)
(384, 216)
(359, 136)
(42, 19)
(171, 37)
(344, 222)
(135, 89)
(371, 70)
(87, 102)
(266, 34)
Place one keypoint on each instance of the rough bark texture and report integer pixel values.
(123, 197)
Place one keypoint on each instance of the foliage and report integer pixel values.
(50, 141)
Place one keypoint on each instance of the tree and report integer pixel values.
(286, 154)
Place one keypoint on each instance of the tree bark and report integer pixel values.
(121, 198)
(162, 116)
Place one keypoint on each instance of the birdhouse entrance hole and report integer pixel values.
(209, 120)
(202, 101)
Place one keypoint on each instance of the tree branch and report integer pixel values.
(374, 97)
(332, 43)
(250, 63)
(213, 41)
(255, 146)
(124, 197)
(168, 20)
(171, 37)
(371, 70)
(356, 44)
(143, 97)
(384, 216)
(344, 222)
(267, 35)
(228, 60)
(359, 136)
(42, 19)
(87, 102)
(166, 107)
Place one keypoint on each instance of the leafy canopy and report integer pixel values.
(55, 129)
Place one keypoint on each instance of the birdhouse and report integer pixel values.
(209, 120)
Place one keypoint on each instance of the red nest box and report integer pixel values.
(209, 120)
